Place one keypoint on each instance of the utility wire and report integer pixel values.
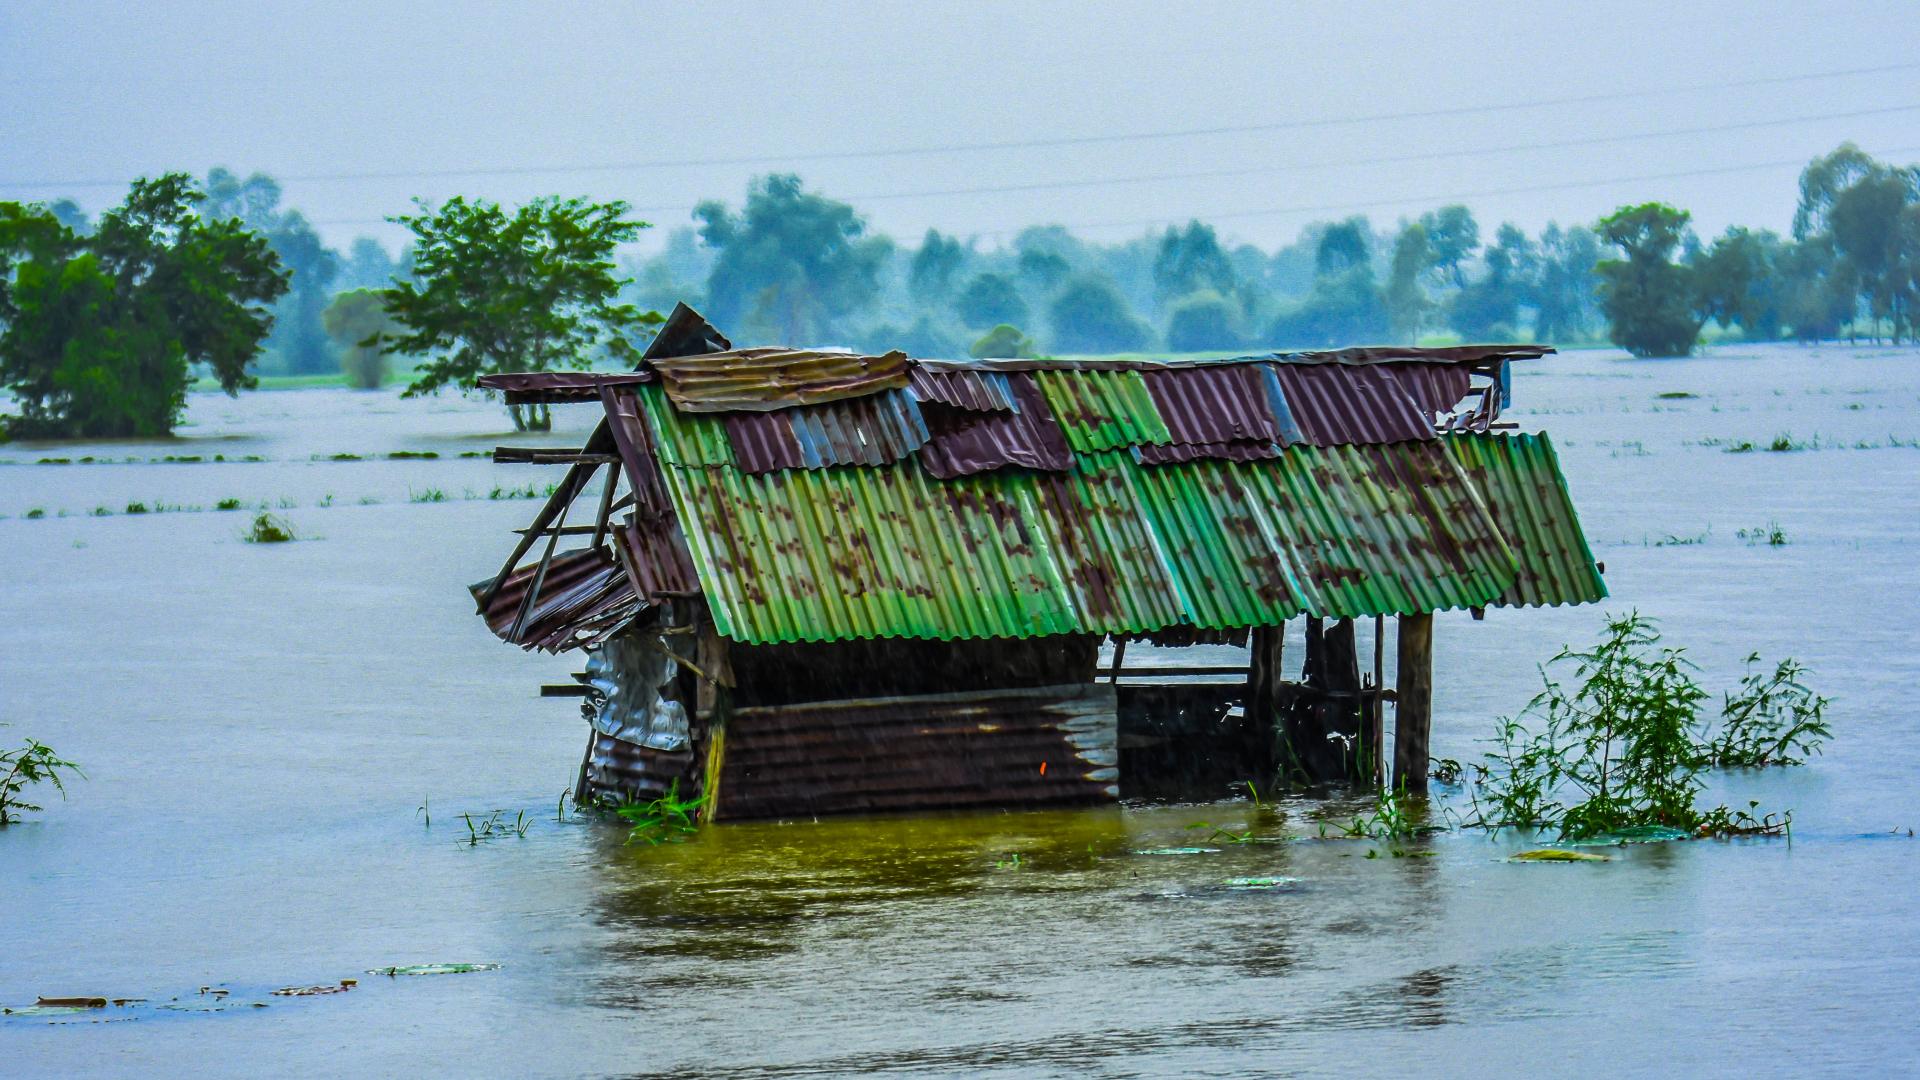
(1027, 144)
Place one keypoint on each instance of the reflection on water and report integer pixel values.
(260, 725)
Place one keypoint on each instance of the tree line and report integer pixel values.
(103, 323)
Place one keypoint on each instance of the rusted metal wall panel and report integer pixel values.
(878, 429)
(1519, 478)
(1226, 451)
(759, 380)
(962, 442)
(1051, 746)
(620, 771)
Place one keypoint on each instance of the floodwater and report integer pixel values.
(261, 727)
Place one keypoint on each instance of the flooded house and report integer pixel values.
(809, 582)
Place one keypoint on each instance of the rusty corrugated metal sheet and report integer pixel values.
(1338, 404)
(619, 771)
(962, 442)
(1103, 410)
(759, 380)
(1050, 746)
(980, 391)
(1111, 547)
(584, 596)
(1519, 478)
(1208, 405)
(1242, 450)
(558, 387)
(878, 429)
(1353, 357)
(1376, 529)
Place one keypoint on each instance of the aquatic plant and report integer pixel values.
(136, 508)
(1675, 395)
(426, 495)
(268, 529)
(1772, 534)
(667, 819)
(1773, 719)
(493, 825)
(36, 513)
(227, 504)
(34, 763)
(413, 455)
(1621, 743)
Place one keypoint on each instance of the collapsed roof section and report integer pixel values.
(822, 496)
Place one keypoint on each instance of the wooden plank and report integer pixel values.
(563, 690)
(542, 455)
(1413, 705)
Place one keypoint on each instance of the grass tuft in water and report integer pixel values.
(34, 763)
(426, 495)
(494, 825)
(269, 529)
(1770, 534)
(667, 819)
(227, 504)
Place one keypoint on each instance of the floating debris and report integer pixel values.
(1252, 883)
(432, 969)
(314, 991)
(1557, 855)
(48, 1010)
(1177, 851)
(1638, 834)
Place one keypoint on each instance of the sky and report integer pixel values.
(976, 119)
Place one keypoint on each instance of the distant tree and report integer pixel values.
(1189, 260)
(1488, 309)
(1564, 282)
(1649, 299)
(1091, 316)
(68, 213)
(1406, 300)
(1044, 269)
(1817, 291)
(1454, 237)
(298, 340)
(357, 321)
(97, 331)
(1204, 321)
(990, 299)
(1734, 282)
(931, 278)
(792, 266)
(1865, 221)
(531, 290)
(1344, 307)
(1003, 341)
(367, 265)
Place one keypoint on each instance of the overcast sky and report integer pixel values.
(360, 107)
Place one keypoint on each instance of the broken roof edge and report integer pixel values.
(1358, 356)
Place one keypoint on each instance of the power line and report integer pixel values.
(1028, 144)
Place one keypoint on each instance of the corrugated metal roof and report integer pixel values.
(558, 387)
(1103, 410)
(1352, 357)
(878, 429)
(584, 595)
(1212, 405)
(1519, 478)
(980, 391)
(760, 380)
(1238, 450)
(1110, 547)
(963, 442)
(1336, 404)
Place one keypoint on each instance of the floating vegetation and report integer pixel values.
(101, 511)
(1742, 447)
(1675, 395)
(1011, 861)
(1177, 851)
(136, 508)
(475, 453)
(341, 987)
(227, 504)
(1556, 855)
(1671, 540)
(1638, 834)
(269, 529)
(667, 819)
(413, 455)
(1771, 534)
(1784, 443)
(432, 969)
(34, 763)
(426, 495)
(54, 461)
(1259, 883)
(345, 457)
(527, 491)
(1773, 719)
(36, 514)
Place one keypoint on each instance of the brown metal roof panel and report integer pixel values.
(964, 442)
(761, 380)
(1212, 404)
(558, 387)
(1239, 450)
(878, 429)
(979, 391)
(1335, 405)
(584, 595)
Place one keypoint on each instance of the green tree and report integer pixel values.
(1344, 307)
(1735, 282)
(1649, 300)
(1045, 269)
(1204, 321)
(990, 299)
(298, 341)
(930, 276)
(792, 266)
(1488, 309)
(357, 321)
(1454, 236)
(1406, 300)
(1189, 260)
(1091, 316)
(97, 332)
(533, 290)
(1564, 282)
(1003, 341)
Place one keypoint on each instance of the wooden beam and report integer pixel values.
(1413, 704)
(541, 455)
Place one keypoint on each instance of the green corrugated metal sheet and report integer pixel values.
(1334, 531)
(1103, 410)
(685, 438)
(1519, 477)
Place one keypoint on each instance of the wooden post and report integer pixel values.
(713, 699)
(1376, 732)
(1262, 703)
(1413, 705)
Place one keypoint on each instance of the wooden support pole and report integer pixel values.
(1119, 654)
(1376, 730)
(1264, 676)
(1413, 704)
(713, 698)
